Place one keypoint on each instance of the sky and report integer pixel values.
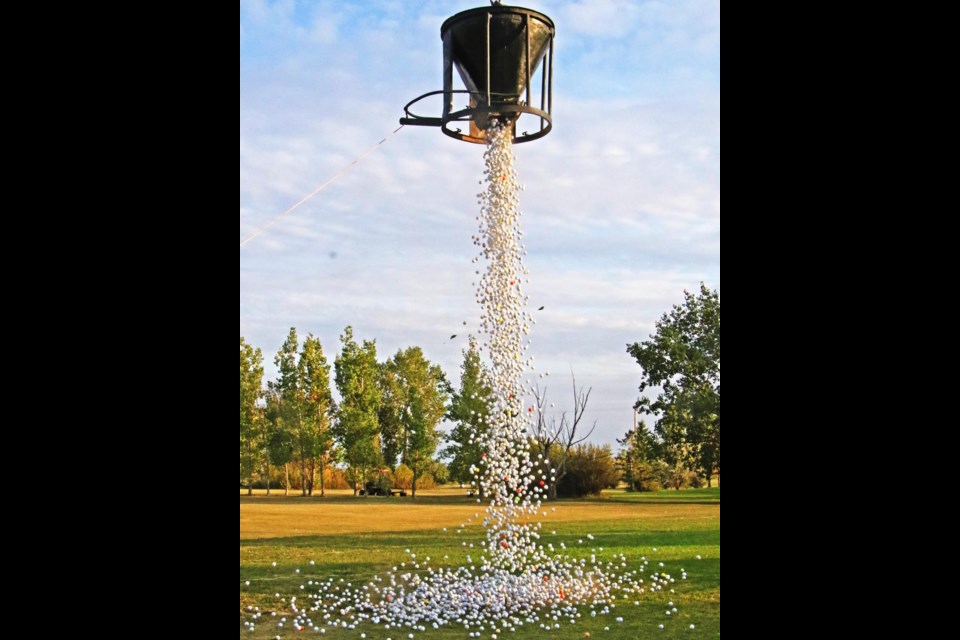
(621, 211)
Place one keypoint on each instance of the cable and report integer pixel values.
(326, 184)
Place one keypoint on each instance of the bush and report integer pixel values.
(590, 470)
(335, 478)
(403, 477)
(440, 473)
(693, 480)
(426, 481)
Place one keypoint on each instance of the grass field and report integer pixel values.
(356, 539)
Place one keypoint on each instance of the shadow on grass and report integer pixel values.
(610, 538)
(667, 496)
(360, 500)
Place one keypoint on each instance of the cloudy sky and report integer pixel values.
(622, 201)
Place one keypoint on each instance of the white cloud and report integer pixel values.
(600, 18)
(621, 207)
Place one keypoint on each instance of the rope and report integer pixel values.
(326, 184)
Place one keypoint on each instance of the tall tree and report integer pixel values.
(304, 406)
(251, 442)
(357, 429)
(470, 411)
(682, 359)
(314, 437)
(418, 395)
(292, 404)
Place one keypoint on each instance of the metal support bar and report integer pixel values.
(526, 24)
(489, 65)
(550, 110)
(543, 88)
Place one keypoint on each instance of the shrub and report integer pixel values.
(440, 473)
(590, 470)
(693, 480)
(335, 478)
(403, 477)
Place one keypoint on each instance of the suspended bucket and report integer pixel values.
(497, 51)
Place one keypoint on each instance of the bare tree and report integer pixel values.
(553, 439)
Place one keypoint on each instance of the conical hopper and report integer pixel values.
(496, 50)
(513, 39)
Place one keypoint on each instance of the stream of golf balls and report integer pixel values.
(517, 579)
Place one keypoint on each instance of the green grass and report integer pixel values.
(356, 539)
(686, 496)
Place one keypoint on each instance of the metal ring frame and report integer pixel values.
(504, 112)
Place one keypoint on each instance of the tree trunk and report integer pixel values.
(267, 475)
(250, 488)
(313, 475)
(323, 467)
(286, 486)
(303, 476)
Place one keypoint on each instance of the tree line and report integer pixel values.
(385, 429)
(388, 413)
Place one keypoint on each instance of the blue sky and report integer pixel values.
(621, 208)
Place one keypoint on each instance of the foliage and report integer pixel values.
(469, 410)
(380, 482)
(315, 437)
(357, 430)
(638, 459)
(301, 407)
(418, 402)
(590, 470)
(552, 439)
(440, 473)
(403, 477)
(251, 422)
(389, 415)
(683, 359)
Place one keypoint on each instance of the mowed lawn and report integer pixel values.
(355, 539)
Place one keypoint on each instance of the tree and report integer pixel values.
(639, 458)
(304, 406)
(553, 440)
(470, 410)
(357, 429)
(314, 438)
(392, 405)
(418, 396)
(251, 382)
(683, 359)
(279, 440)
(292, 404)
